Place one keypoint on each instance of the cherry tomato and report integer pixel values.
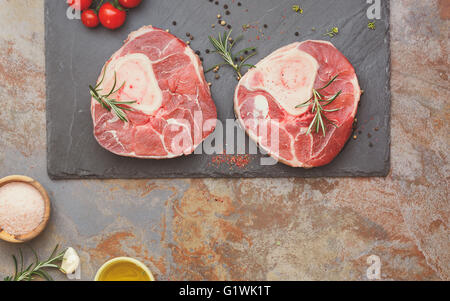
(89, 18)
(130, 3)
(80, 5)
(112, 17)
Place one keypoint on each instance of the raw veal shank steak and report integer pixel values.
(174, 111)
(267, 97)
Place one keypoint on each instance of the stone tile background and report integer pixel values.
(297, 229)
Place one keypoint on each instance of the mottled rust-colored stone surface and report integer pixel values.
(251, 229)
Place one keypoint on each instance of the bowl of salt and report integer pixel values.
(24, 208)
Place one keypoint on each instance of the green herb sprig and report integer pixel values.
(117, 107)
(318, 102)
(36, 269)
(297, 9)
(224, 46)
(371, 25)
(332, 32)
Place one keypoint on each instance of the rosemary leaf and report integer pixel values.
(318, 102)
(117, 107)
(36, 268)
(224, 48)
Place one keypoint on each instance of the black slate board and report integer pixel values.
(75, 55)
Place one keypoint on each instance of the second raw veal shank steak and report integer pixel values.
(267, 103)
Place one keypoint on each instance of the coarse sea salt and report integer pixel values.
(22, 208)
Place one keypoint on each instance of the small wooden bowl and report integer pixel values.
(29, 236)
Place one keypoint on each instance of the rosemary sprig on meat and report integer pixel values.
(224, 46)
(36, 269)
(117, 107)
(319, 102)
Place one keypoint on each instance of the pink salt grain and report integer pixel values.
(22, 208)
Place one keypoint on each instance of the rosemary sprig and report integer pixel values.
(224, 46)
(36, 269)
(110, 104)
(318, 102)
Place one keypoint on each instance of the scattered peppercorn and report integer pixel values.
(227, 12)
(197, 52)
(297, 33)
(216, 3)
(174, 23)
(192, 38)
(265, 25)
(369, 135)
(217, 76)
(207, 50)
(239, 3)
(370, 144)
(376, 129)
(229, 26)
(225, 6)
(188, 34)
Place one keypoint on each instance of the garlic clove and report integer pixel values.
(70, 261)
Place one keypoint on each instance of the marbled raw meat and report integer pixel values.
(174, 111)
(267, 97)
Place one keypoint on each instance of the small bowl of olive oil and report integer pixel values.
(124, 269)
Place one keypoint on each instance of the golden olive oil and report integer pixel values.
(124, 271)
